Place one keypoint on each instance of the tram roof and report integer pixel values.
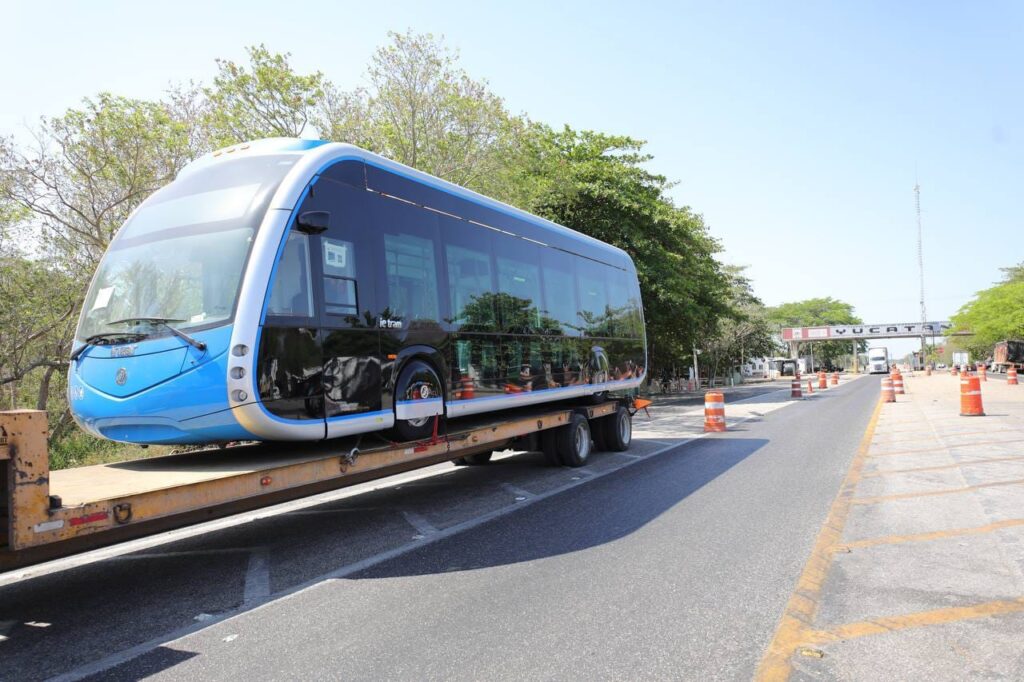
(316, 155)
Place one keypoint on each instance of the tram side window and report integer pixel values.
(467, 250)
(411, 277)
(590, 278)
(560, 291)
(339, 277)
(621, 307)
(519, 300)
(291, 292)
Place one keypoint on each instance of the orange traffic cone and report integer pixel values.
(970, 397)
(835, 378)
(897, 383)
(888, 395)
(714, 411)
(1011, 376)
(822, 381)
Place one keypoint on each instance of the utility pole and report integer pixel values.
(920, 267)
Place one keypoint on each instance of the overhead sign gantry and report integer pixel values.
(867, 331)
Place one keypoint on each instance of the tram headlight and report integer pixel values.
(239, 396)
(240, 350)
(238, 372)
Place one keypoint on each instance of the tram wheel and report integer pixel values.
(417, 381)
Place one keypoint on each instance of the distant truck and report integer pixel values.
(961, 358)
(1007, 353)
(878, 360)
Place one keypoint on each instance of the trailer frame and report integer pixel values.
(49, 514)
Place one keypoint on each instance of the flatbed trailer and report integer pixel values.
(47, 514)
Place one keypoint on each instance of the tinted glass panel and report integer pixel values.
(519, 299)
(560, 290)
(340, 296)
(590, 277)
(290, 294)
(411, 273)
(470, 276)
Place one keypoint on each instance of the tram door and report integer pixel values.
(345, 295)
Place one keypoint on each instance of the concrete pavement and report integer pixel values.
(919, 571)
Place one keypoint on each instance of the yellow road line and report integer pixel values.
(933, 535)
(932, 493)
(954, 465)
(803, 602)
(880, 626)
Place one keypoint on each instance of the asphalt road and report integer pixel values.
(672, 561)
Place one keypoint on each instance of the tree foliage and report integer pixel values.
(995, 314)
(816, 312)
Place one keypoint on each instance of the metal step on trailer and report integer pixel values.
(46, 515)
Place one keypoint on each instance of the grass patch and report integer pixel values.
(80, 449)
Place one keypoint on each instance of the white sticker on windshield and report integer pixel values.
(335, 255)
(102, 298)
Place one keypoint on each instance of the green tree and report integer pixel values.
(744, 332)
(423, 110)
(264, 99)
(995, 314)
(818, 312)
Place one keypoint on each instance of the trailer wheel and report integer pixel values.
(549, 446)
(618, 430)
(574, 441)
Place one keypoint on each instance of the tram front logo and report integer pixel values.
(121, 377)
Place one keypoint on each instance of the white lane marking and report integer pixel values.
(257, 577)
(516, 491)
(420, 523)
(626, 454)
(187, 553)
(654, 440)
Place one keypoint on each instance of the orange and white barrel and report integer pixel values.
(835, 378)
(1011, 376)
(953, 370)
(714, 411)
(822, 380)
(794, 388)
(970, 397)
(928, 370)
(888, 395)
(897, 384)
(982, 371)
(810, 387)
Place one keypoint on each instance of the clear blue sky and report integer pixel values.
(797, 129)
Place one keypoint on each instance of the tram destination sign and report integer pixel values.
(866, 331)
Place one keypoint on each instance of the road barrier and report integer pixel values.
(810, 387)
(794, 388)
(982, 372)
(953, 370)
(822, 381)
(888, 395)
(897, 383)
(714, 411)
(1011, 376)
(970, 397)
(835, 378)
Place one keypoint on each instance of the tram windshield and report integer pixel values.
(181, 255)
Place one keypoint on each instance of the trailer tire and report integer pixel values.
(574, 445)
(549, 446)
(618, 430)
(417, 380)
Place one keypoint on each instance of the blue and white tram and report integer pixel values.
(299, 290)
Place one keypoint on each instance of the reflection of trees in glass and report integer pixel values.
(516, 316)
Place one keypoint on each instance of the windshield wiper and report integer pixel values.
(162, 321)
(91, 340)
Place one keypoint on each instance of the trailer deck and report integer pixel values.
(44, 515)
